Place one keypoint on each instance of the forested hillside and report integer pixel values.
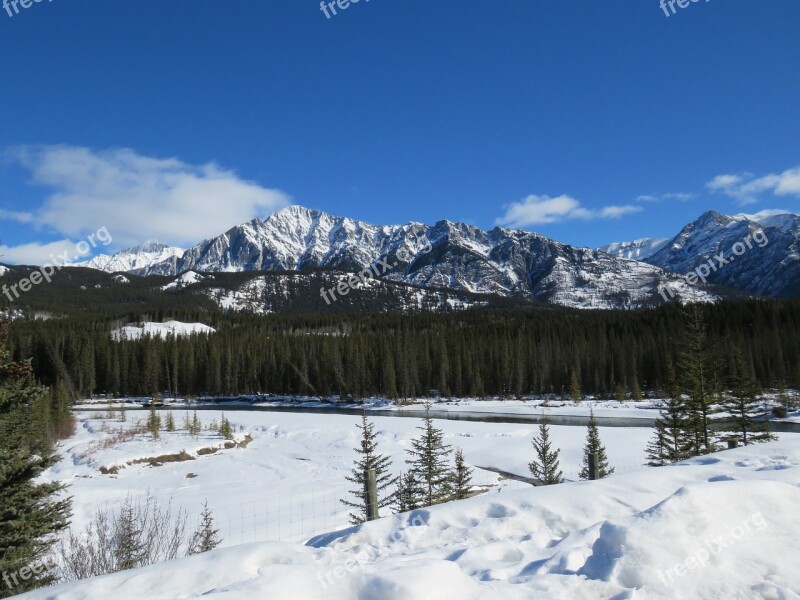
(472, 353)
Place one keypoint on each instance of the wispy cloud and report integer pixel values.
(540, 210)
(12, 215)
(746, 188)
(680, 197)
(139, 197)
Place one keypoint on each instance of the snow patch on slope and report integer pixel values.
(161, 330)
(188, 278)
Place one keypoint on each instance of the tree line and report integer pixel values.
(475, 353)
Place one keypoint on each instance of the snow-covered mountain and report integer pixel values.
(756, 253)
(457, 256)
(636, 250)
(132, 259)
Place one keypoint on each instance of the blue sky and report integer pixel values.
(588, 122)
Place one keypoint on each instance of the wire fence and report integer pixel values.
(290, 518)
(298, 517)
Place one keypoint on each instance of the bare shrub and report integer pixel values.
(140, 533)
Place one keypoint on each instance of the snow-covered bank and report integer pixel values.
(627, 409)
(720, 526)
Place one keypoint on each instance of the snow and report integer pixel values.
(640, 249)
(132, 259)
(3, 270)
(176, 328)
(188, 278)
(304, 456)
(719, 526)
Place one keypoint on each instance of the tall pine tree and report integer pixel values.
(698, 365)
(30, 514)
(429, 462)
(673, 439)
(545, 466)
(594, 446)
(369, 458)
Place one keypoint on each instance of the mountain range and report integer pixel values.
(501, 262)
(758, 254)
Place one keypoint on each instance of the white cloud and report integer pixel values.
(12, 215)
(539, 210)
(768, 212)
(138, 197)
(38, 254)
(745, 188)
(680, 197)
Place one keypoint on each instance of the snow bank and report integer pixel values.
(720, 526)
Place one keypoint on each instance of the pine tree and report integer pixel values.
(697, 366)
(429, 462)
(196, 426)
(594, 446)
(368, 458)
(462, 477)
(673, 439)
(657, 450)
(225, 429)
(187, 424)
(154, 422)
(129, 543)
(748, 416)
(545, 465)
(619, 393)
(30, 516)
(575, 387)
(170, 422)
(408, 494)
(206, 536)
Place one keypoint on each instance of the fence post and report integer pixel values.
(371, 493)
(592, 467)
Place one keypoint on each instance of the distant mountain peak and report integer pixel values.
(766, 269)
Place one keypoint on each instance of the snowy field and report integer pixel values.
(721, 526)
(287, 483)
